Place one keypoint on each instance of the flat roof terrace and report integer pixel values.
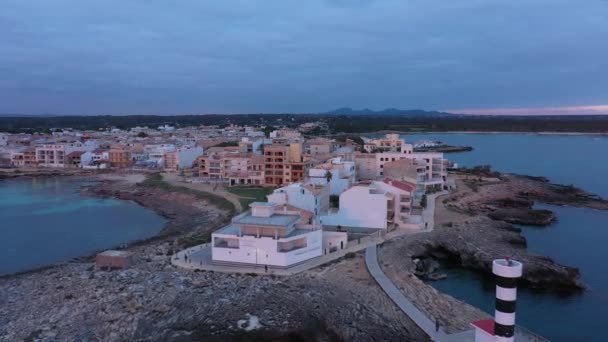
(273, 220)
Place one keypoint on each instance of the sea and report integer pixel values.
(577, 239)
(47, 220)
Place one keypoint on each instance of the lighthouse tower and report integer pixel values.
(502, 327)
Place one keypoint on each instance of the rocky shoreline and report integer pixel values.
(444, 149)
(153, 300)
(474, 226)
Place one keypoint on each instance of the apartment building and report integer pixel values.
(390, 143)
(119, 158)
(320, 146)
(307, 196)
(343, 175)
(182, 158)
(382, 205)
(371, 165)
(284, 164)
(51, 155)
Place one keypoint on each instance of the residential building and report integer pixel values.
(310, 197)
(376, 205)
(51, 155)
(283, 164)
(181, 158)
(119, 158)
(269, 234)
(390, 143)
(73, 159)
(343, 175)
(320, 146)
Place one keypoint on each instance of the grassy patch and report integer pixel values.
(155, 180)
(250, 194)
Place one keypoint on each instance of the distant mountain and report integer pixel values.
(388, 111)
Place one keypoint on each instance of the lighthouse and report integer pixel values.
(502, 327)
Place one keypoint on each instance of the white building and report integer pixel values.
(371, 165)
(378, 205)
(310, 197)
(181, 158)
(270, 235)
(3, 139)
(391, 143)
(51, 155)
(343, 175)
(156, 152)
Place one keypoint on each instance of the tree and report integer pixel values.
(328, 176)
(423, 201)
(142, 135)
(334, 201)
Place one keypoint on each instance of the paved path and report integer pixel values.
(199, 257)
(428, 214)
(218, 189)
(423, 321)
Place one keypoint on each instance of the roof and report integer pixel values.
(262, 204)
(273, 220)
(399, 184)
(486, 325)
(115, 253)
(75, 154)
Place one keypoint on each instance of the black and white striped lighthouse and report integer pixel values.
(507, 272)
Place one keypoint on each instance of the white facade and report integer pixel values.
(377, 205)
(266, 237)
(362, 206)
(391, 143)
(186, 156)
(313, 198)
(51, 155)
(3, 139)
(156, 152)
(343, 175)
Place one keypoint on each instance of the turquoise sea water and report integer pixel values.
(577, 239)
(46, 220)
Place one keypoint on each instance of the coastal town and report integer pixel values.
(289, 207)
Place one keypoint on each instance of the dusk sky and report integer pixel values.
(193, 56)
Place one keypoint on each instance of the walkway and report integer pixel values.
(199, 257)
(428, 213)
(424, 322)
(217, 189)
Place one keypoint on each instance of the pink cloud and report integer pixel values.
(589, 110)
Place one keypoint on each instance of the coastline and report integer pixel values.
(158, 292)
(480, 132)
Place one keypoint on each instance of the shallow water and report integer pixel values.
(47, 220)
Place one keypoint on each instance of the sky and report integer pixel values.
(245, 56)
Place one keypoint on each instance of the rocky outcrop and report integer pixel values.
(476, 244)
(527, 217)
(154, 301)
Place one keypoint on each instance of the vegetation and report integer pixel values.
(227, 144)
(334, 201)
(155, 180)
(423, 201)
(335, 123)
(194, 240)
(250, 194)
(142, 135)
(355, 138)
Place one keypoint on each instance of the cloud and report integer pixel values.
(86, 56)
